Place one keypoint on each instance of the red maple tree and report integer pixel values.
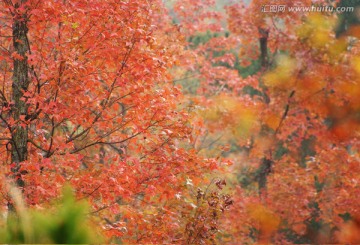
(87, 98)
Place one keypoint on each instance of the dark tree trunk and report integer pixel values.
(266, 164)
(20, 84)
(264, 171)
(263, 39)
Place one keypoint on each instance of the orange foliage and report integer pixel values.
(273, 96)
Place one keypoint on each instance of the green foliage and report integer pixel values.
(318, 185)
(252, 91)
(280, 151)
(254, 233)
(66, 225)
(295, 238)
(307, 150)
(345, 216)
(245, 177)
(346, 19)
(202, 38)
(250, 70)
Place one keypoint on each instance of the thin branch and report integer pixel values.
(48, 152)
(287, 108)
(91, 193)
(36, 145)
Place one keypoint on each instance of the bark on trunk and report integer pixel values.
(264, 35)
(20, 84)
(266, 164)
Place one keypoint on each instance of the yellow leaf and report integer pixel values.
(273, 121)
(281, 76)
(356, 64)
(268, 221)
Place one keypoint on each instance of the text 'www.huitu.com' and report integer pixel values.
(273, 8)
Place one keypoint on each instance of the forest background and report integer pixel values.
(193, 122)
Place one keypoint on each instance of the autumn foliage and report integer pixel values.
(186, 122)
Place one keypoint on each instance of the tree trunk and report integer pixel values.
(20, 84)
(264, 35)
(265, 167)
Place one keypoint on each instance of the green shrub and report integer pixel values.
(67, 224)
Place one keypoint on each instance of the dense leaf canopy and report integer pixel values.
(187, 121)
